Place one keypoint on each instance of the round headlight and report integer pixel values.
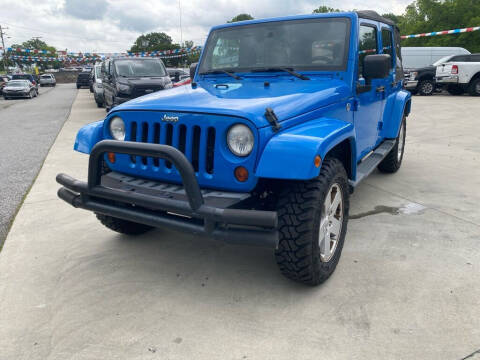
(240, 140)
(117, 128)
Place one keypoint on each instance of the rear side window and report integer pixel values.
(460, 58)
(387, 44)
(367, 44)
(475, 58)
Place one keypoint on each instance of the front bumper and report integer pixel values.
(411, 84)
(192, 213)
(453, 79)
(16, 94)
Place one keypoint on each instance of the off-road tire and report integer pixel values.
(300, 208)
(474, 88)
(392, 161)
(426, 87)
(455, 90)
(123, 226)
(119, 225)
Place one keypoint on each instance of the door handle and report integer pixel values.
(380, 89)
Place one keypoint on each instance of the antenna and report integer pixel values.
(181, 31)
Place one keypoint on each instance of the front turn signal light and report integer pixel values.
(111, 157)
(241, 174)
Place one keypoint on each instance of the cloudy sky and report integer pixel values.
(113, 25)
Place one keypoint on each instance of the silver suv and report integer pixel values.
(47, 80)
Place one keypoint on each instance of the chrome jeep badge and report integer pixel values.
(170, 118)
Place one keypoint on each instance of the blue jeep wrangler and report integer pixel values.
(283, 119)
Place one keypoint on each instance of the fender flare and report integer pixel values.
(402, 105)
(88, 136)
(291, 153)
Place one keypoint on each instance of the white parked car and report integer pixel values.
(461, 75)
(47, 80)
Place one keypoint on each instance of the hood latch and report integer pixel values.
(272, 119)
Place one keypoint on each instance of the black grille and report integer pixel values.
(198, 144)
(144, 90)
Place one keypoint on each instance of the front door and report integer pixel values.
(371, 102)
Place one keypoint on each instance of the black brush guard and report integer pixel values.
(252, 227)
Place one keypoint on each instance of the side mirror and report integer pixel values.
(177, 76)
(193, 69)
(376, 66)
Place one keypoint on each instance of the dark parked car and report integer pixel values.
(177, 75)
(128, 78)
(32, 78)
(19, 88)
(83, 79)
(3, 82)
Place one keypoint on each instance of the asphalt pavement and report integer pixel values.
(28, 127)
(406, 286)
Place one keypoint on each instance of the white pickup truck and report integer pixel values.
(461, 75)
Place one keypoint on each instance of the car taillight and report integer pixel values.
(454, 69)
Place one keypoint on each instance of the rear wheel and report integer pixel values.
(455, 90)
(393, 160)
(426, 87)
(313, 218)
(474, 89)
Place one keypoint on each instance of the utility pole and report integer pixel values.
(4, 50)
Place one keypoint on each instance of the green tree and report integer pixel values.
(423, 16)
(241, 17)
(155, 41)
(325, 9)
(35, 44)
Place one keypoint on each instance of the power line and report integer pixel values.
(4, 51)
(60, 35)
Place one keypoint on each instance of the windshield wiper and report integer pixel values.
(229, 73)
(291, 71)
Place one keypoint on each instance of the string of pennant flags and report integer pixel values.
(445, 32)
(64, 56)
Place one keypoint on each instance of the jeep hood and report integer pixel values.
(245, 98)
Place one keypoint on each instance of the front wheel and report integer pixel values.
(123, 226)
(393, 160)
(426, 87)
(313, 218)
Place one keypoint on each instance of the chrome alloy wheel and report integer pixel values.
(331, 223)
(401, 142)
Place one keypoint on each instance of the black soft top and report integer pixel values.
(373, 15)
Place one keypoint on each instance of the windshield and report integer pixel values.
(139, 67)
(312, 44)
(22, 77)
(17, 83)
(442, 60)
(98, 69)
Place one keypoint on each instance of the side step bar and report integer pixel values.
(366, 166)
